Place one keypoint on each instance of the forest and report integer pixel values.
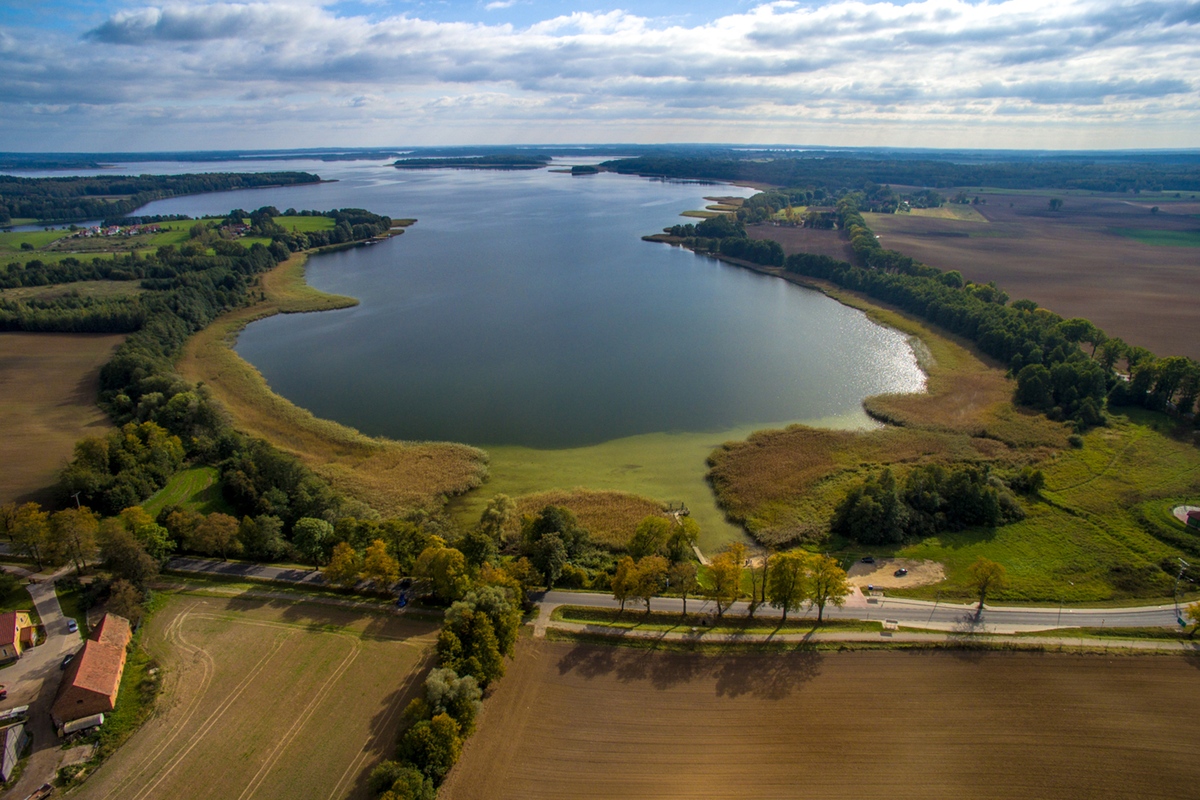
(835, 175)
(71, 199)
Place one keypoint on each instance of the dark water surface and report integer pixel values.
(524, 309)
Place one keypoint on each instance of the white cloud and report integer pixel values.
(1012, 66)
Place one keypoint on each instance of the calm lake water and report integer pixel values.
(524, 309)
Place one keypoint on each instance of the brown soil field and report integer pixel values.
(804, 240)
(268, 699)
(48, 387)
(387, 475)
(584, 721)
(1072, 261)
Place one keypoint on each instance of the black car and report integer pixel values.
(66, 660)
(900, 573)
(868, 559)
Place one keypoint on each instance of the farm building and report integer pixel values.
(16, 634)
(94, 676)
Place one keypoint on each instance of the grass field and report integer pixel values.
(957, 211)
(389, 476)
(610, 517)
(1162, 238)
(98, 289)
(1076, 262)
(48, 386)
(575, 721)
(275, 699)
(196, 489)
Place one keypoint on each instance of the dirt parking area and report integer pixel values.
(573, 721)
(882, 574)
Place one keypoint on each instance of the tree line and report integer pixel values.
(71, 199)
(1044, 352)
(837, 173)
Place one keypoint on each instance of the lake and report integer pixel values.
(523, 313)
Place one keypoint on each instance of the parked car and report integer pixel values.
(72, 626)
(66, 660)
(868, 559)
(3, 692)
(900, 573)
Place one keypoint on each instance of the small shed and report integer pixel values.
(12, 740)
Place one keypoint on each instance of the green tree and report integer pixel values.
(683, 579)
(217, 533)
(460, 697)
(125, 600)
(344, 566)
(787, 587)
(396, 781)
(262, 537)
(478, 547)
(468, 645)
(650, 538)
(378, 565)
(550, 556)
(501, 510)
(154, 538)
(826, 583)
(432, 746)
(123, 555)
(685, 532)
(75, 530)
(986, 576)
(309, 537)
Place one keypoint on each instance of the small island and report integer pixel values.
(498, 161)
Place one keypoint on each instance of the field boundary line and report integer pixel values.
(174, 633)
(302, 720)
(199, 735)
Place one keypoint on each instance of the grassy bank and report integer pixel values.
(389, 476)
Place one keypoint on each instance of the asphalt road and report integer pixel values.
(936, 616)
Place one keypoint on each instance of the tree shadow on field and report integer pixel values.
(385, 725)
(770, 677)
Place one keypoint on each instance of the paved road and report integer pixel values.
(935, 616)
(922, 613)
(33, 681)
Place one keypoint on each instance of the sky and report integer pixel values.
(113, 75)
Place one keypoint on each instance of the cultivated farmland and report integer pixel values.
(584, 721)
(48, 385)
(268, 699)
(1107, 258)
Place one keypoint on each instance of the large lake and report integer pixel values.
(524, 314)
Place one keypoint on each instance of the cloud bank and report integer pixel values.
(932, 72)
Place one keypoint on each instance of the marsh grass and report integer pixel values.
(609, 517)
(387, 475)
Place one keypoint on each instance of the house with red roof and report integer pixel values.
(16, 634)
(93, 677)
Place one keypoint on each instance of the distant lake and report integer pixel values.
(524, 309)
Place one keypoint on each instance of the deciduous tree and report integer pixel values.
(75, 531)
(682, 578)
(432, 746)
(787, 588)
(986, 576)
(309, 537)
(826, 584)
(651, 578)
(446, 569)
(624, 581)
(216, 534)
(379, 567)
(726, 575)
(344, 566)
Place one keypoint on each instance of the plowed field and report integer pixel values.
(583, 721)
(276, 699)
(48, 387)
